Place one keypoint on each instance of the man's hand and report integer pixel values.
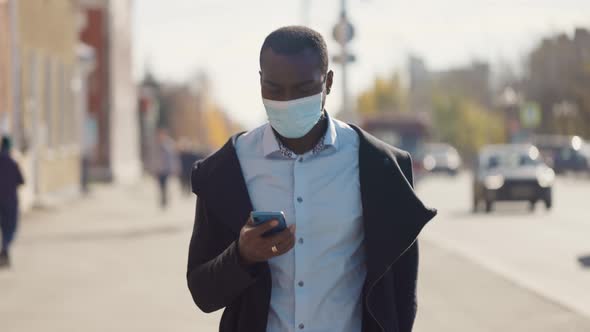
(254, 248)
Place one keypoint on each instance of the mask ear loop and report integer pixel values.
(323, 116)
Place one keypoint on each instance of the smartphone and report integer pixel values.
(261, 217)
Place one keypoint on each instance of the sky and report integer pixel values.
(178, 39)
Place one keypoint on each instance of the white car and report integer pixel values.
(512, 173)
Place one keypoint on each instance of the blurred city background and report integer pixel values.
(492, 98)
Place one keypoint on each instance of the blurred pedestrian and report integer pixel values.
(186, 161)
(10, 179)
(164, 163)
(346, 256)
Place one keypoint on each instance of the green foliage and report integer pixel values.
(465, 124)
(386, 95)
(456, 119)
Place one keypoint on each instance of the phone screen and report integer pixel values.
(261, 217)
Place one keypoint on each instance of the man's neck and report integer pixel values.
(309, 141)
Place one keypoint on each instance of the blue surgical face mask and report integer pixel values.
(294, 118)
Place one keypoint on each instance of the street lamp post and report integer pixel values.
(305, 12)
(343, 33)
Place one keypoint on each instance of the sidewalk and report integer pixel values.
(110, 262)
(116, 262)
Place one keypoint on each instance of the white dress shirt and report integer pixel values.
(317, 285)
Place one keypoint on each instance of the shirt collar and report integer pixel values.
(271, 144)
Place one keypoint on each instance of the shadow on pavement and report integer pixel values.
(98, 235)
(584, 261)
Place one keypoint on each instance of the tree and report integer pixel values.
(465, 124)
(386, 95)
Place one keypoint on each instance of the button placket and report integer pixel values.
(298, 190)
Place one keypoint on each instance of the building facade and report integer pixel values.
(111, 125)
(46, 128)
(559, 74)
(193, 116)
(5, 69)
(471, 81)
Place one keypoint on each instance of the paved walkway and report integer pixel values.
(112, 262)
(115, 262)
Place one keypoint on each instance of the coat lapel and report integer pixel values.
(227, 195)
(393, 215)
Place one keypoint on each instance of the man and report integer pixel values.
(10, 179)
(348, 260)
(164, 163)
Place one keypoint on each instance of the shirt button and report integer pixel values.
(299, 199)
(301, 326)
(300, 284)
(301, 240)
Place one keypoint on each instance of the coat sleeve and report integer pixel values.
(215, 275)
(406, 272)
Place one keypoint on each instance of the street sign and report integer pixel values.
(530, 115)
(338, 58)
(343, 31)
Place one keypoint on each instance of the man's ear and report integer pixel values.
(329, 81)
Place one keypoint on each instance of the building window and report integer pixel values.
(30, 117)
(48, 102)
(73, 106)
(62, 128)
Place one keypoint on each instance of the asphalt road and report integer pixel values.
(544, 251)
(114, 262)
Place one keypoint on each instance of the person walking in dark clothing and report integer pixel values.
(10, 179)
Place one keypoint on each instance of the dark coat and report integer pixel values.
(10, 179)
(393, 216)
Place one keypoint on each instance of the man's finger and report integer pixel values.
(283, 236)
(267, 226)
(286, 246)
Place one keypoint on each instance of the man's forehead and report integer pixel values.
(304, 65)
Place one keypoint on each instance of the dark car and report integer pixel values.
(512, 173)
(564, 153)
(440, 158)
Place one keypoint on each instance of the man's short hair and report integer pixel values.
(293, 40)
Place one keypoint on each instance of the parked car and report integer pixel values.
(564, 153)
(440, 157)
(513, 172)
